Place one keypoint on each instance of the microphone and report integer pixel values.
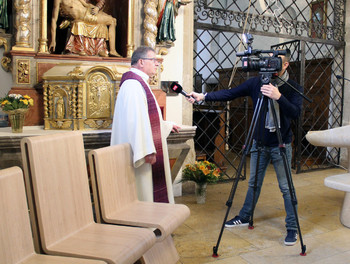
(341, 77)
(177, 88)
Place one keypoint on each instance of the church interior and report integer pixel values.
(64, 59)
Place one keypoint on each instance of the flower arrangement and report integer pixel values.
(15, 101)
(201, 172)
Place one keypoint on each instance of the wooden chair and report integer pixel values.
(16, 243)
(116, 202)
(56, 177)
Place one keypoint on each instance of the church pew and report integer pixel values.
(16, 243)
(116, 201)
(57, 183)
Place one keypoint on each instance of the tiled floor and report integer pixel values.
(326, 239)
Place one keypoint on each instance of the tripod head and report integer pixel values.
(266, 77)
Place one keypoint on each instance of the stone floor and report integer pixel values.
(326, 239)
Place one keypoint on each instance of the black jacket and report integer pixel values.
(290, 104)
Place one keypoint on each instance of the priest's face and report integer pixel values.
(149, 64)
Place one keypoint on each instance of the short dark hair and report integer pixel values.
(286, 57)
(140, 52)
(288, 54)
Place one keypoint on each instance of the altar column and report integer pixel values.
(43, 28)
(23, 25)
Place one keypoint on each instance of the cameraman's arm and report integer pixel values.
(244, 89)
(195, 97)
(292, 104)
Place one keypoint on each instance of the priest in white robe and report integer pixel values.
(132, 124)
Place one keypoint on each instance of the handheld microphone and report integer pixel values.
(341, 77)
(177, 88)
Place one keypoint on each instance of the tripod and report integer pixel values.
(260, 110)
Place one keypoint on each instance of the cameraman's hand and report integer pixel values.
(195, 97)
(270, 91)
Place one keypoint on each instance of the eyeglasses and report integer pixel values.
(152, 59)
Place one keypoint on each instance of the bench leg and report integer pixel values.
(162, 252)
(345, 212)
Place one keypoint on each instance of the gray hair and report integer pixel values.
(139, 53)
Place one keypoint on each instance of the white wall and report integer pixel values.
(178, 66)
(173, 70)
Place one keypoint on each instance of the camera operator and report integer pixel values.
(288, 104)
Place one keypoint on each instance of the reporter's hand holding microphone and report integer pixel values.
(191, 97)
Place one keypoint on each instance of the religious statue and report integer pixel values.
(60, 108)
(167, 11)
(4, 21)
(90, 27)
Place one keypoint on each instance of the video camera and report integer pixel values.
(269, 64)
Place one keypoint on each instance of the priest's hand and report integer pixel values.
(175, 129)
(151, 158)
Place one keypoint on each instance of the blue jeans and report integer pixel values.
(268, 154)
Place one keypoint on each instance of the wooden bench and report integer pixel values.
(336, 137)
(116, 202)
(58, 187)
(16, 243)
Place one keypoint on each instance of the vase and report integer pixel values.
(16, 118)
(200, 192)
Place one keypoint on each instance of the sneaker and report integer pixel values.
(291, 238)
(236, 221)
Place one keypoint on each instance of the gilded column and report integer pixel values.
(45, 98)
(22, 24)
(78, 122)
(130, 45)
(80, 100)
(50, 101)
(43, 34)
(150, 23)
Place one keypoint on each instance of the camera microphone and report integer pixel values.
(177, 88)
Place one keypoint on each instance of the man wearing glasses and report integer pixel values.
(138, 121)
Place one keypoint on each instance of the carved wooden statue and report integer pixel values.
(90, 27)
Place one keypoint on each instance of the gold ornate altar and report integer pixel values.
(27, 57)
(79, 97)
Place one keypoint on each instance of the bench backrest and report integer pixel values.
(56, 172)
(118, 189)
(16, 241)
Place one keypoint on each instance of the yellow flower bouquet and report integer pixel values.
(16, 106)
(201, 172)
(15, 101)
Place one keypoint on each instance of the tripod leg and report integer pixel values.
(230, 201)
(288, 176)
(293, 197)
(246, 148)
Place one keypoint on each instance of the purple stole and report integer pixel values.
(160, 193)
